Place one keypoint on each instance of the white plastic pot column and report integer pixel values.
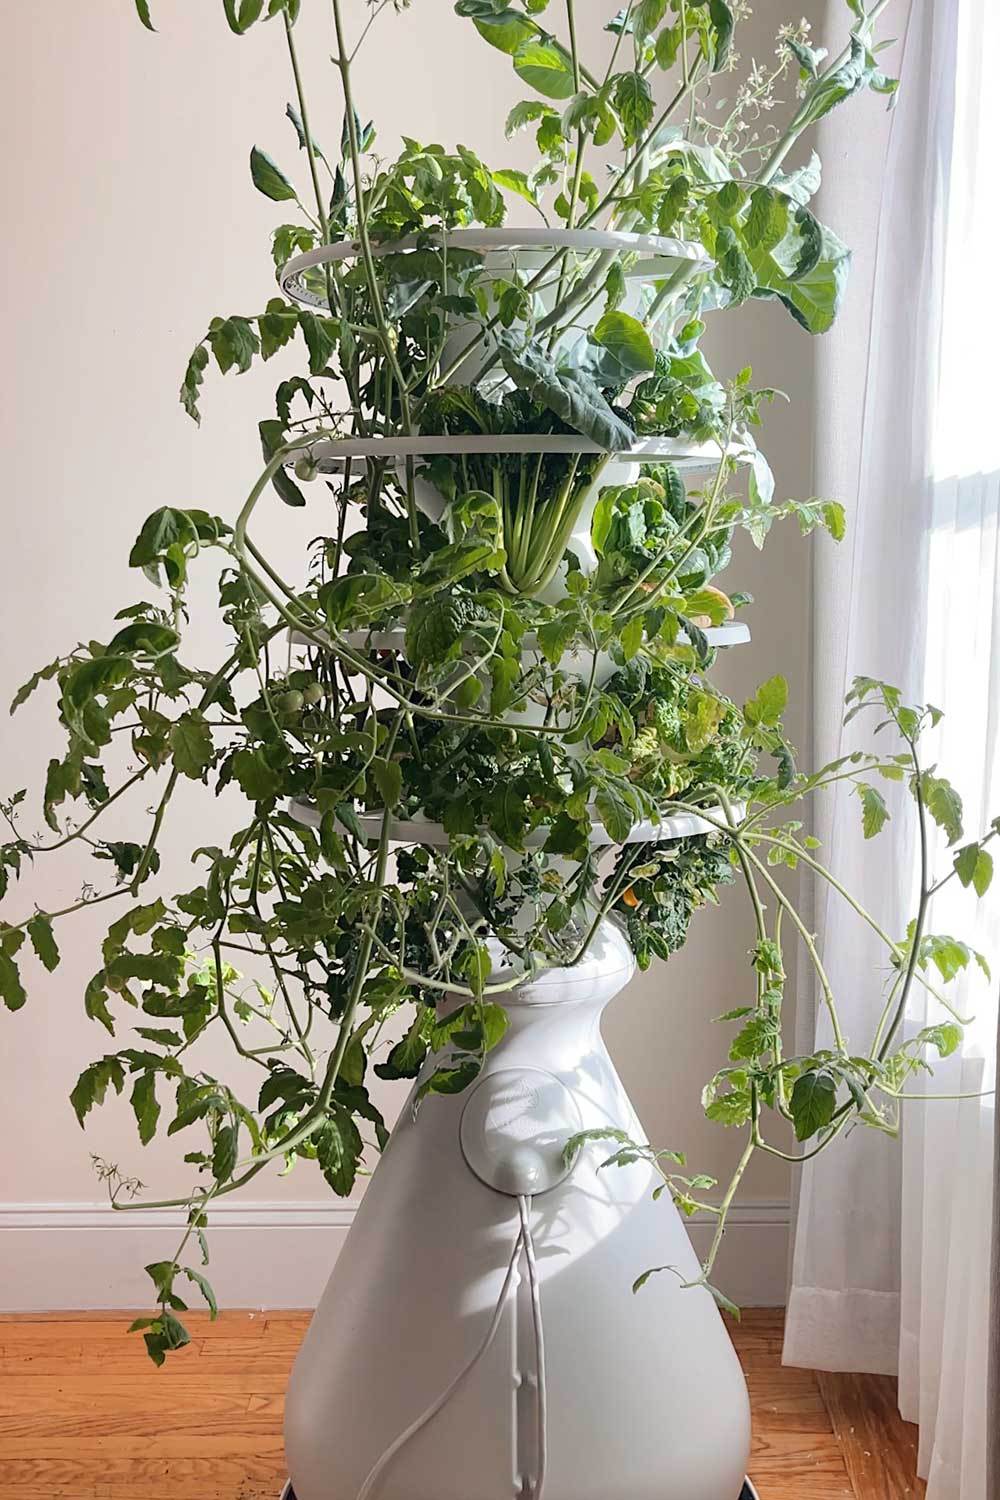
(645, 1397)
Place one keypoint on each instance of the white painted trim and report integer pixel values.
(276, 1215)
(274, 1254)
(223, 1215)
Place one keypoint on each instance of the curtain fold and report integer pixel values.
(948, 1144)
(874, 415)
(892, 1257)
(993, 1379)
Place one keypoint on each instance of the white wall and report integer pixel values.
(131, 220)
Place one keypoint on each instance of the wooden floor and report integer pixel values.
(85, 1416)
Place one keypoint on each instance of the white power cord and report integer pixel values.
(376, 1472)
(525, 1239)
(524, 1206)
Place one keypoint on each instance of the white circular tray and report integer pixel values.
(330, 454)
(659, 255)
(435, 836)
(734, 633)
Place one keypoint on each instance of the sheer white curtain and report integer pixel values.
(879, 381)
(948, 1147)
(891, 1256)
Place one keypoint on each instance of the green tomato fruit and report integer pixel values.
(291, 703)
(313, 694)
(306, 469)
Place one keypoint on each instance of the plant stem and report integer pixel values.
(626, 18)
(810, 946)
(88, 822)
(386, 334)
(364, 954)
(725, 1206)
(307, 132)
(66, 911)
(636, 157)
(918, 926)
(800, 120)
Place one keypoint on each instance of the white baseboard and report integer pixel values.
(57, 1256)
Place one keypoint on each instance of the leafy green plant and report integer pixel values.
(457, 665)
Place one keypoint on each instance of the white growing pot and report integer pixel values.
(645, 1396)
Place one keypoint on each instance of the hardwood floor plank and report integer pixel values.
(270, 1407)
(789, 1465)
(758, 1337)
(148, 1439)
(219, 1355)
(771, 1319)
(788, 1400)
(289, 1323)
(40, 1328)
(29, 1434)
(71, 1400)
(879, 1448)
(248, 1477)
(179, 1390)
(84, 1415)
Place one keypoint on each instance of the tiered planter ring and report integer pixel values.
(734, 633)
(435, 836)
(658, 257)
(647, 261)
(479, 1338)
(331, 454)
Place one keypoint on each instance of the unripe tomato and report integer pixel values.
(291, 703)
(313, 694)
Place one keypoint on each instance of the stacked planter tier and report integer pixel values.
(479, 1338)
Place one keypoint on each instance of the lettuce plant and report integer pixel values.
(457, 666)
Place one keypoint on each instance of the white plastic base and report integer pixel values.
(748, 1492)
(645, 1394)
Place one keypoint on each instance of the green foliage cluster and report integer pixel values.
(459, 663)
